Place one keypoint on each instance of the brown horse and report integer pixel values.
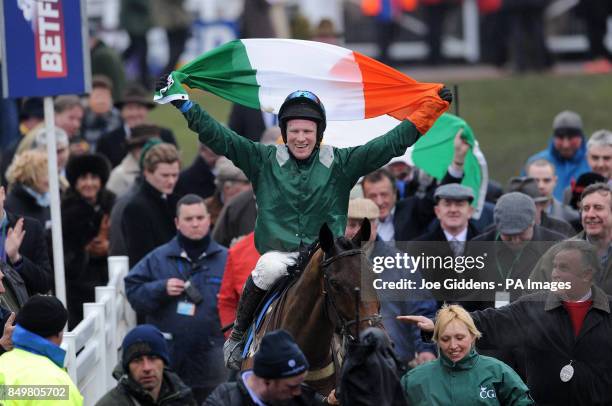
(322, 301)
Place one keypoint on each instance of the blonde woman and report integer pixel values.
(461, 376)
(29, 186)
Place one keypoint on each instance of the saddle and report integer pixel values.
(305, 253)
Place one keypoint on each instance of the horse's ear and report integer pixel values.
(364, 232)
(326, 238)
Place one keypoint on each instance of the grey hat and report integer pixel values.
(229, 172)
(528, 186)
(567, 120)
(514, 213)
(363, 208)
(40, 138)
(454, 191)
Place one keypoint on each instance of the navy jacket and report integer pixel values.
(196, 341)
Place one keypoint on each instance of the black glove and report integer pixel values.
(163, 82)
(446, 94)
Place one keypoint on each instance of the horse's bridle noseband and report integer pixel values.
(330, 304)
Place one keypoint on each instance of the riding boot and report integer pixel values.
(249, 301)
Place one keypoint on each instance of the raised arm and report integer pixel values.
(244, 153)
(361, 160)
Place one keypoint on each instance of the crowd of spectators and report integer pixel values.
(188, 233)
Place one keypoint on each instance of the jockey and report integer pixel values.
(299, 185)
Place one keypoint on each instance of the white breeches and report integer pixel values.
(271, 266)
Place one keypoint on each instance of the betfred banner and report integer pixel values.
(44, 52)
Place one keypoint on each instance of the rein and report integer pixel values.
(330, 304)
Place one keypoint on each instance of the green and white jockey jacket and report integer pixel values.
(294, 198)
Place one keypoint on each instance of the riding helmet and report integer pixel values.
(305, 105)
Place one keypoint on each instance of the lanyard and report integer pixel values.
(517, 258)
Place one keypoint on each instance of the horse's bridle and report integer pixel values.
(330, 304)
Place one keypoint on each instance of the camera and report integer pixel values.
(193, 293)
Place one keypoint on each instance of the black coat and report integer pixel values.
(81, 223)
(21, 203)
(237, 218)
(35, 268)
(172, 393)
(15, 288)
(414, 214)
(113, 145)
(236, 394)
(503, 262)
(197, 179)
(556, 224)
(434, 243)
(247, 122)
(541, 327)
(437, 234)
(147, 222)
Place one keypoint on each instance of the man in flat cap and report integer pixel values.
(278, 374)
(519, 250)
(529, 186)
(37, 358)
(453, 210)
(143, 374)
(447, 239)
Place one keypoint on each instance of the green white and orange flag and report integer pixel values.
(260, 73)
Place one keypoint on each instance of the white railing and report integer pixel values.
(92, 348)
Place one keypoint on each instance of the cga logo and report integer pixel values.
(487, 393)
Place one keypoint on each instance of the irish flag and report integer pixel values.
(260, 73)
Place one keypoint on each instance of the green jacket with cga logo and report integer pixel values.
(474, 380)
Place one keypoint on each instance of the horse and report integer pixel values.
(323, 301)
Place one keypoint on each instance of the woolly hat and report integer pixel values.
(279, 357)
(80, 165)
(145, 339)
(567, 122)
(43, 315)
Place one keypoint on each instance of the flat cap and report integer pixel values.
(514, 213)
(528, 186)
(229, 172)
(360, 208)
(454, 191)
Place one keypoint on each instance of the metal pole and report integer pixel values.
(56, 215)
(456, 99)
(356, 291)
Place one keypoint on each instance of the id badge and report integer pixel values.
(185, 308)
(502, 299)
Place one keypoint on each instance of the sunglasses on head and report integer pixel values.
(306, 94)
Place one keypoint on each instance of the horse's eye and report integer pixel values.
(335, 284)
